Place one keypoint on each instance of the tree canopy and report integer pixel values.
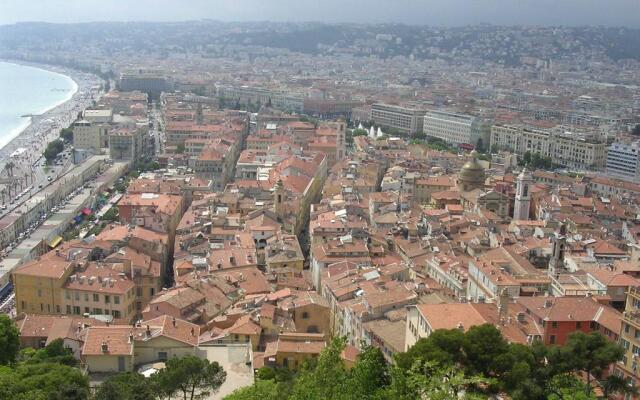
(193, 377)
(9, 340)
(450, 364)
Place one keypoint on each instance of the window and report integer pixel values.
(305, 315)
(58, 309)
(626, 328)
(86, 296)
(67, 295)
(96, 297)
(115, 313)
(39, 293)
(162, 355)
(116, 299)
(152, 291)
(554, 324)
(107, 299)
(97, 311)
(578, 325)
(77, 295)
(68, 309)
(552, 339)
(76, 310)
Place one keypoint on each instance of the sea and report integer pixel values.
(25, 91)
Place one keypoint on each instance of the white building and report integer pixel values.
(622, 160)
(405, 119)
(457, 128)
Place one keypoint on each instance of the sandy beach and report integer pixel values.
(27, 146)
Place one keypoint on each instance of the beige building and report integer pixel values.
(405, 119)
(123, 348)
(569, 149)
(90, 136)
(96, 290)
(630, 338)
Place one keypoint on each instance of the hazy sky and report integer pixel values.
(429, 12)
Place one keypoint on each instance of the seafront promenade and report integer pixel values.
(27, 147)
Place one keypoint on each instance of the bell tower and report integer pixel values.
(522, 206)
(279, 199)
(556, 263)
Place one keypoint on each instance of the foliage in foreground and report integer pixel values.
(450, 364)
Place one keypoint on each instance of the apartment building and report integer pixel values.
(457, 128)
(262, 96)
(565, 148)
(127, 143)
(623, 162)
(91, 136)
(630, 338)
(150, 82)
(408, 120)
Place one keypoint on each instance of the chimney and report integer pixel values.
(130, 337)
(105, 347)
(460, 326)
(173, 321)
(148, 331)
(193, 331)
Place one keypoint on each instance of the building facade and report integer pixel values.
(457, 128)
(404, 119)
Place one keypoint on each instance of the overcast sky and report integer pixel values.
(428, 12)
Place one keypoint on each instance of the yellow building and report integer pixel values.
(38, 285)
(291, 350)
(310, 312)
(630, 337)
(99, 290)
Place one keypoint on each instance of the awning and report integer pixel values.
(55, 241)
(87, 211)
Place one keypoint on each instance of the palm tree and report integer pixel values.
(9, 167)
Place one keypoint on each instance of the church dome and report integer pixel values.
(471, 175)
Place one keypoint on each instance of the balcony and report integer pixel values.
(632, 317)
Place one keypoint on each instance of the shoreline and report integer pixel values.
(41, 128)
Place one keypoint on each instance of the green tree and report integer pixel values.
(261, 390)
(53, 149)
(442, 346)
(180, 148)
(9, 340)
(67, 135)
(43, 380)
(111, 215)
(482, 346)
(591, 353)
(369, 374)
(327, 379)
(428, 380)
(617, 385)
(359, 132)
(568, 387)
(194, 377)
(54, 352)
(127, 386)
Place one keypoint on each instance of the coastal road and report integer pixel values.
(38, 181)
